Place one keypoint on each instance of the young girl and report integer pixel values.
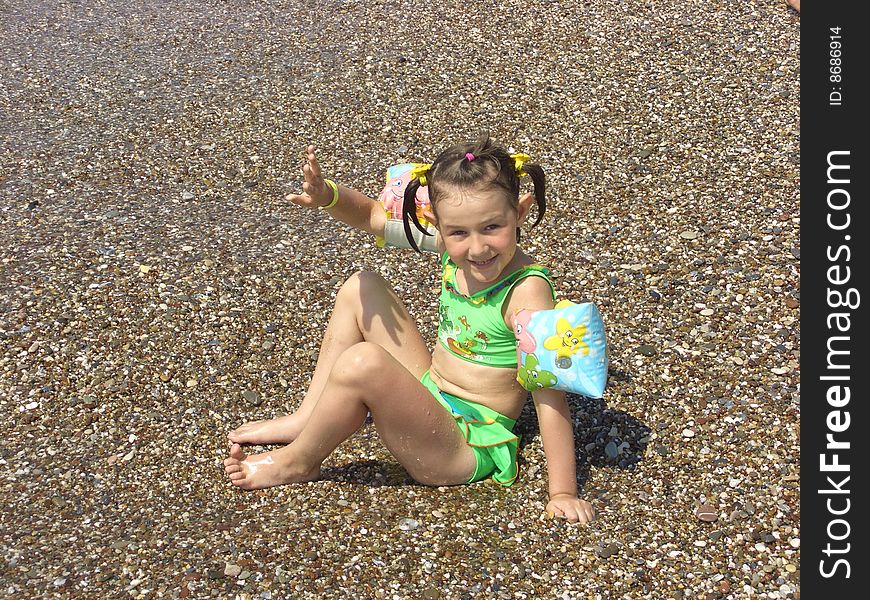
(446, 416)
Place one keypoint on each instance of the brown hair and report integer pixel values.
(492, 167)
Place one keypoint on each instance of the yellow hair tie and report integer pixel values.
(419, 172)
(519, 159)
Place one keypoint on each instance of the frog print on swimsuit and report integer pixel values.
(462, 342)
(454, 334)
(447, 326)
(532, 377)
(567, 341)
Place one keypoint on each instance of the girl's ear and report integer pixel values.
(430, 215)
(524, 206)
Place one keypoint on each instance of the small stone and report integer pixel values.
(792, 302)
(706, 513)
(252, 397)
(707, 312)
(611, 450)
(795, 542)
(232, 570)
(689, 235)
(408, 524)
(688, 433)
(790, 568)
(188, 196)
(214, 572)
(192, 383)
(647, 350)
(431, 594)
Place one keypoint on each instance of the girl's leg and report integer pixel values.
(414, 427)
(366, 310)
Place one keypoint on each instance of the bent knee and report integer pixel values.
(362, 362)
(363, 282)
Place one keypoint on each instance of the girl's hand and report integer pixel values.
(570, 507)
(315, 192)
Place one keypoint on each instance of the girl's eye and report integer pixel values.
(492, 226)
(457, 233)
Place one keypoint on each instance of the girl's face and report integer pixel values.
(479, 227)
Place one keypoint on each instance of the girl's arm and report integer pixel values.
(557, 433)
(353, 207)
(554, 417)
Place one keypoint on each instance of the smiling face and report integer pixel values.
(479, 227)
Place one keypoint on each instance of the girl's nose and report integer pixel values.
(478, 248)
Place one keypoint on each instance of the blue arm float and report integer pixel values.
(563, 348)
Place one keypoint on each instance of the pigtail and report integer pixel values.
(409, 212)
(537, 175)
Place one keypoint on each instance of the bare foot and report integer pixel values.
(795, 4)
(258, 471)
(281, 430)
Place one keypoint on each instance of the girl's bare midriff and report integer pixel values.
(494, 387)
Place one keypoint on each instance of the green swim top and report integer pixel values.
(472, 327)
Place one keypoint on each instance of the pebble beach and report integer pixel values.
(157, 291)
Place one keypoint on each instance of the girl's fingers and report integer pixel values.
(303, 199)
(314, 165)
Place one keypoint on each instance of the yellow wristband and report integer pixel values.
(334, 187)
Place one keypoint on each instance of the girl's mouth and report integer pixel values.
(480, 264)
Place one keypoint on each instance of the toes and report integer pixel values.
(236, 453)
(232, 467)
(237, 476)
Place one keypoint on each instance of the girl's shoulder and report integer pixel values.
(534, 291)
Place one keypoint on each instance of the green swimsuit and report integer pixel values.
(472, 327)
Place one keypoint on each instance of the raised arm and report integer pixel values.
(353, 207)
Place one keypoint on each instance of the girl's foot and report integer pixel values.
(258, 471)
(794, 4)
(281, 430)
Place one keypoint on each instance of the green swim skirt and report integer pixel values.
(488, 432)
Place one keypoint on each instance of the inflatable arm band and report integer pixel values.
(563, 348)
(392, 197)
